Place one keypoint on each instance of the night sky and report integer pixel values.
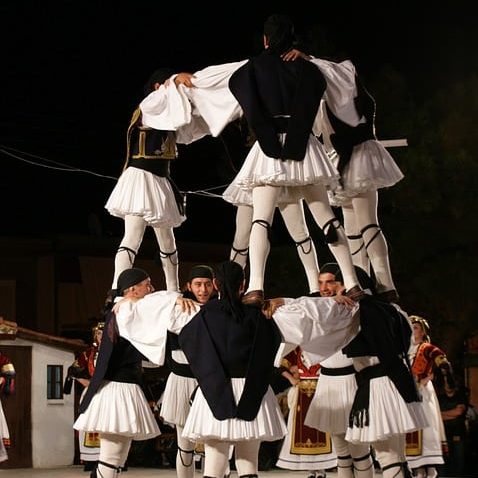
(73, 72)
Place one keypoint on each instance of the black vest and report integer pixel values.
(267, 87)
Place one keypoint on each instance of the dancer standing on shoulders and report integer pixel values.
(347, 128)
(280, 101)
(145, 194)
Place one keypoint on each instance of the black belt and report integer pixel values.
(335, 372)
(281, 124)
(370, 372)
(181, 369)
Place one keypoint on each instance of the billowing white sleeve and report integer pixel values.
(169, 109)
(341, 89)
(204, 109)
(318, 324)
(211, 97)
(145, 323)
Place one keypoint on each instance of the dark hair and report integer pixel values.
(202, 271)
(229, 277)
(130, 277)
(158, 76)
(330, 268)
(279, 30)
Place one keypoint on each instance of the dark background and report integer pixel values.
(73, 72)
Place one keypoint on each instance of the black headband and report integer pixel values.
(130, 277)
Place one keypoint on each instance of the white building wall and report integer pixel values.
(53, 439)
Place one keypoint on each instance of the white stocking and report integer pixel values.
(355, 239)
(247, 457)
(104, 471)
(185, 455)
(134, 227)
(345, 467)
(390, 453)
(114, 451)
(316, 197)
(240, 243)
(365, 208)
(264, 199)
(420, 472)
(216, 458)
(363, 462)
(431, 472)
(294, 219)
(169, 256)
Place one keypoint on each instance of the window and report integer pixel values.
(54, 382)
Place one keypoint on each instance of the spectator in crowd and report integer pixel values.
(453, 406)
(7, 387)
(81, 371)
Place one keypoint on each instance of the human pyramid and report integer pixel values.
(294, 104)
(225, 350)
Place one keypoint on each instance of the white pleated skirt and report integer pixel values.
(259, 170)
(433, 435)
(141, 193)
(121, 409)
(298, 461)
(269, 424)
(389, 414)
(175, 402)
(371, 167)
(330, 408)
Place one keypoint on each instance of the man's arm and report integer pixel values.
(320, 325)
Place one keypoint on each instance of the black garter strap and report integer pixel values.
(392, 465)
(265, 225)
(361, 458)
(299, 244)
(331, 236)
(240, 252)
(187, 452)
(109, 465)
(129, 251)
(356, 237)
(374, 236)
(168, 255)
(345, 467)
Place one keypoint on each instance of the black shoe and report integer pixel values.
(254, 298)
(90, 465)
(389, 296)
(356, 293)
